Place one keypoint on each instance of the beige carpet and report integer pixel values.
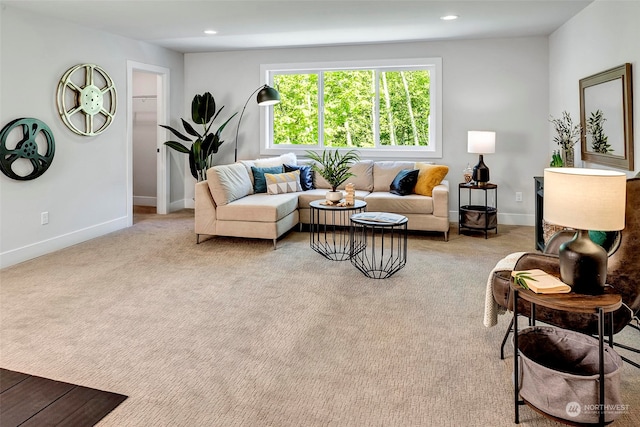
(233, 333)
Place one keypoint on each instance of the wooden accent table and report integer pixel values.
(571, 302)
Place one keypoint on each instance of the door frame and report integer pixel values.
(162, 116)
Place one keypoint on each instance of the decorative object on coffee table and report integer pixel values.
(334, 166)
(584, 199)
(481, 142)
(350, 197)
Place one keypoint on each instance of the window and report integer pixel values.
(381, 108)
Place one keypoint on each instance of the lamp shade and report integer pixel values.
(481, 142)
(268, 96)
(585, 199)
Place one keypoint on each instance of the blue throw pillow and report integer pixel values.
(404, 182)
(306, 175)
(259, 183)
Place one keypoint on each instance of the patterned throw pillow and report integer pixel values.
(288, 182)
(429, 177)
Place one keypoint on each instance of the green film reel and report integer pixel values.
(14, 162)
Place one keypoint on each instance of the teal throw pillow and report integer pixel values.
(259, 183)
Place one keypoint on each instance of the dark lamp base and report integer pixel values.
(480, 172)
(583, 264)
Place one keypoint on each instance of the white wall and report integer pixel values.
(604, 35)
(497, 84)
(85, 189)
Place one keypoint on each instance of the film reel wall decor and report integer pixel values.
(27, 147)
(86, 99)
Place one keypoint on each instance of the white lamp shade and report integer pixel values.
(585, 199)
(481, 142)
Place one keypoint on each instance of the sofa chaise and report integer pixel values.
(226, 204)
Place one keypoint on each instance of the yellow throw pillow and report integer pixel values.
(428, 177)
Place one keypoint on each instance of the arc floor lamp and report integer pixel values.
(266, 96)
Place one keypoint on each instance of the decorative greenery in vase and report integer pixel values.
(335, 165)
(567, 136)
(599, 140)
(206, 144)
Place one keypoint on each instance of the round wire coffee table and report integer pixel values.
(378, 243)
(329, 229)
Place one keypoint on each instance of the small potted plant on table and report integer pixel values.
(334, 166)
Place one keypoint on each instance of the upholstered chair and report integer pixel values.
(623, 274)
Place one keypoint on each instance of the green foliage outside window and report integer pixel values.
(349, 116)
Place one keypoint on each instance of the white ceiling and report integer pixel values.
(179, 24)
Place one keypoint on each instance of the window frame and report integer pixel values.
(434, 65)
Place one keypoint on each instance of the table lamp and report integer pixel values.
(481, 142)
(266, 96)
(584, 199)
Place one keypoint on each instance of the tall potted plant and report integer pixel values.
(334, 166)
(206, 143)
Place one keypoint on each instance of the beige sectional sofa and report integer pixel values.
(226, 205)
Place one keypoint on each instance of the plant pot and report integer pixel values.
(333, 196)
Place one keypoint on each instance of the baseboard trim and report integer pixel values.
(144, 201)
(34, 250)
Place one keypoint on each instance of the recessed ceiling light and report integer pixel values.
(210, 32)
(449, 17)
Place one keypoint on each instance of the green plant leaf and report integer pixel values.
(190, 130)
(177, 146)
(176, 133)
(203, 108)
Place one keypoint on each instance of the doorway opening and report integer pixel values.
(148, 106)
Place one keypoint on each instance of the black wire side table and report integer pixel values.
(329, 229)
(378, 243)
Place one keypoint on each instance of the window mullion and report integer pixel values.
(321, 109)
(376, 103)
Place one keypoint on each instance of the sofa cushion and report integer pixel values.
(259, 183)
(259, 208)
(289, 158)
(385, 201)
(429, 177)
(362, 179)
(228, 183)
(306, 175)
(385, 171)
(288, 182)
(404, 182)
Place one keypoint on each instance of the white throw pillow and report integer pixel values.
(228, 183)
(285, 159)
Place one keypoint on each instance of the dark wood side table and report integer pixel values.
(571, 302)
(478, 217)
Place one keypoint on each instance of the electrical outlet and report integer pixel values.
(44, 218)
(518, 196)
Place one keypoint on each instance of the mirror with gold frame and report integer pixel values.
(606, 116)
